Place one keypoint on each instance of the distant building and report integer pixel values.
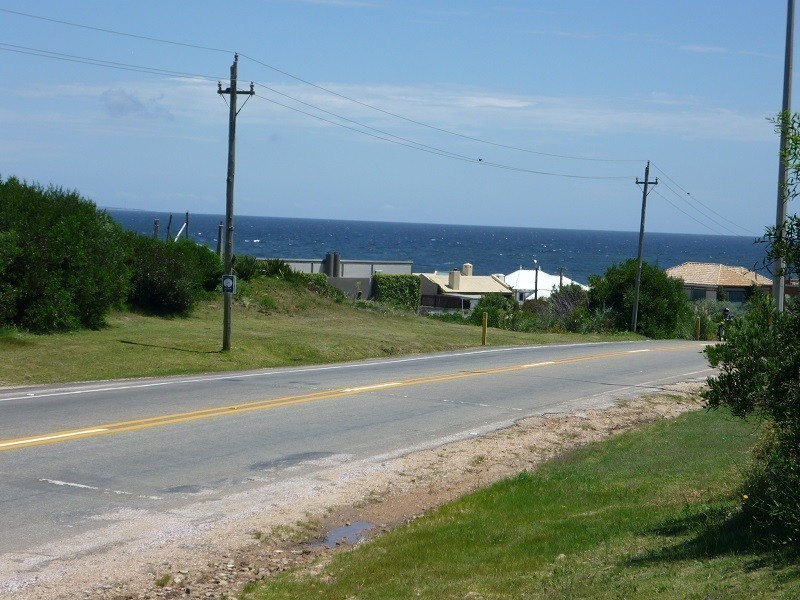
(354, 278)
(458, 290)
(712, 281)
(525, 283)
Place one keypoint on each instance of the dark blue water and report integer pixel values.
(444, 247)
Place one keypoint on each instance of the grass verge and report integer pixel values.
(275, 324)
(652, 513)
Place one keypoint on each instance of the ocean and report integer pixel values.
(439, 247)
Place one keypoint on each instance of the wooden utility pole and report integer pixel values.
(228, 294)
(778, 276)
(645, 191)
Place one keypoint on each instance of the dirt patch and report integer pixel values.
(215, 558)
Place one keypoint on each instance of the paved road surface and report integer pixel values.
(74, 458)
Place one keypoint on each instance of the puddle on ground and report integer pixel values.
(347, 535)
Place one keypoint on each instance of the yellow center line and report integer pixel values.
(208, 413)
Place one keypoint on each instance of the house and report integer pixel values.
(530, 284)
(712, 281)
(457, 290)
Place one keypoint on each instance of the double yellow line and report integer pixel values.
(234, 409)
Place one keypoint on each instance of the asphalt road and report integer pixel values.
(74, 457)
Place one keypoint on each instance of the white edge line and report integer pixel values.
(271, 372)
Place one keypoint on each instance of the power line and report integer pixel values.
(101, 63)
(430, 149)
(316, 86)
(688, 194)
(113, 32)
(679, 209)
(703, 214)
(385, 136)
(427, 125)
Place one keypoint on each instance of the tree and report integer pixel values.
(759, 375)
(663, 305)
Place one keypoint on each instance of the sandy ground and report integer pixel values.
(213, 550)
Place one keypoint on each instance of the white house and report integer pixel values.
(529, 284)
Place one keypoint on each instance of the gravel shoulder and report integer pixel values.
(214, 548)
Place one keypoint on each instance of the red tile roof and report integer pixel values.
(713, 274)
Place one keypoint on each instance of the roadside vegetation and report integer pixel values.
(652, 513)
(760, 375)
(276, 322)
(626, 518)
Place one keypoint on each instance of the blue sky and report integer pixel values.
(524, 113)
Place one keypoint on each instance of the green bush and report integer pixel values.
(247, 267)
(171, 277)
(275, 267)
(503, 311)
(663, 305)
(759, 375)
(62, 262)
(399, 291)
(318, 283)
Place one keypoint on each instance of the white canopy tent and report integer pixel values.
(525, 282)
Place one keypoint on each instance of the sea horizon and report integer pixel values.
(491, 249)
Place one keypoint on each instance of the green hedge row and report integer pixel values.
(64, 264)
(400, 291)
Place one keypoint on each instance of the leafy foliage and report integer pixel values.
(663, 305)
(170, 277)
(760, 375)
(759, 366)
(246, 267)
(275, 267)
(503, 311)
(400, 291)
(62, 262)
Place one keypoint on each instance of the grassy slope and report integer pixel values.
(304, 328)
(648, 514)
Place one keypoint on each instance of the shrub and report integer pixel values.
(170, 277)
(568, 308)
(663, 305)
(400, 291)
(62, 261)
(275, 267)
(246, 267)
(760, 375)
(503, 312)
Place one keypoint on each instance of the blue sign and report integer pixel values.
(229, 284)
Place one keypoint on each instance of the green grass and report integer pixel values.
(274, 324)
(652, 513)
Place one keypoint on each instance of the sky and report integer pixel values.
(511, 112)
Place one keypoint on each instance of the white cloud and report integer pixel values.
(699, 48)
(119, 103)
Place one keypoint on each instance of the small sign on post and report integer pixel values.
(229, 284)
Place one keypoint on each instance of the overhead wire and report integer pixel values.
(385, 136)
(698, 201)
(679, 209)
(359, 127)
(390, 137)
(700, 211)
(319, 87)
(101, 63)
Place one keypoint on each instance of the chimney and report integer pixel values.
(454, 281)
(466, 270)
